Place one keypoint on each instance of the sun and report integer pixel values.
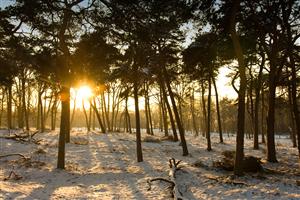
(81, 96)
(84, 92)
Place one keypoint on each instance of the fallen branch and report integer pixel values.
(160, 179)
(24, 137)
(15, 176)
(12, 154)
(172, 174)
(226, 180)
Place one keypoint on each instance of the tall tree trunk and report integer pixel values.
(165, 118)
(106, 111)
(126, 114)
(161, 115)
(86, 117)
(9, 107)
(263, 140)
(53, 112)
(42, 126)
(150, 116)
(292, 118)
(239, 155)
(192, 103)
(208, 115)
(146, 110)
(64, 126)
(271, 151)
(257, 99)
(74, 109)
(294, 100)
(203, 103)
(165, 98)
(139, 152)
(2, 106)
(288, 8)
(177, 118)
(218, 111)
(94, 106)
(24, 104)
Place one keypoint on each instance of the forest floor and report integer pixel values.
(103, 166)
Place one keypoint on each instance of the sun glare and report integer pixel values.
(84, 92)
(81, 95)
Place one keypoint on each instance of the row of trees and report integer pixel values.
(134, 48)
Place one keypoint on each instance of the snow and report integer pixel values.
(103, 166)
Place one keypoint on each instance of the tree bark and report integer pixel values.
(177, 118)
(271, 152)
(93, 104)
(239, 155)
(256, 104)
(218, 111)
(64, 126)
(139, 152)
(192, 102)
(203, 103)
(208, 114)
(165, 99)
(9, 107)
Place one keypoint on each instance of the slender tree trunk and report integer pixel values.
(102, 104)
(126, 114)
(203, 103)
(24, 105)
(9, 107)
(256, 104)
(294, 72)
(106, 111)
(292, 119)
(165, 98)
(94, 121)
(263, 140)
(139, 152)
(161, 115)
(2, 107)
(38, 124)
(218, 111)
(177, 118)
(93, 105)
(146, 111)
(294, 100)
(86, 117)
(74, 109)
(150, 116)
(165, 118)
(192, 102)
(208, 115)
(53, 113)
(41, 113)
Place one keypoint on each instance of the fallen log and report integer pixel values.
(172, 175)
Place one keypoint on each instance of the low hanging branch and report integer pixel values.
(172, 175)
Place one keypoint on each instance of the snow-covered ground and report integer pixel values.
(106, 168)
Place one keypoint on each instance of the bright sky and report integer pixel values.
(4, 3)
(82, 95)
(224, 84)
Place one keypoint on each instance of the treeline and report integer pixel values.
(135, 49)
